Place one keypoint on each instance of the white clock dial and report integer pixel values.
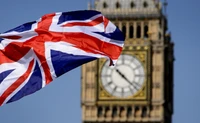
(125, 78)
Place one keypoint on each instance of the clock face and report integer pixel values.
(125, 78)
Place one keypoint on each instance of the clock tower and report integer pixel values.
(139, 88)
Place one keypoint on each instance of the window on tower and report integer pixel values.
(137, 111)
(122, 111)
(144, 112)
(100, 112)
(118, 5)
(138, 31)
(131, 31)
(129, 111)
(145, 4)
(132, 4)
(124, 30)
(146, 29)
(107, 112)
(105, 5)
(114, 111)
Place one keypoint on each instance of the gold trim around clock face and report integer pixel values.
(142, 53)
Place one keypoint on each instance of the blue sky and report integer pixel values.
(60, 101)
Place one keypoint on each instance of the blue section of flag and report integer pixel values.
(63, 62)
(77, 15)
(116, 35)
(1, 39)
(4, 74)
(23, 27)
(33, 84)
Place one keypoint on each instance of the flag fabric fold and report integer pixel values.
(35, 53)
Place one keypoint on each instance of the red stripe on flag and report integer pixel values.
(41, 55)
(91, 23)
(106, 21)
(87, 43)
(39, 42)
(46, 21)
(16, 84)
(13, 52)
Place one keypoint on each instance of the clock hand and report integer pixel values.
(123, 76)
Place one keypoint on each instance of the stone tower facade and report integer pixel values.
(140, 88)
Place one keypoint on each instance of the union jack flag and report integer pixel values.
(35, 53)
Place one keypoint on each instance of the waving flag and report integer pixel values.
(35, 53)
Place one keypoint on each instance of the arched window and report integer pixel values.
(122, 111)
(118, 5)
(129, 112)
(146, 29)
(144, 112)
(131, 31)
(114, 112)
(124, 30)
(136, 111)
(138, 31)
(132, 5)
(107, 112)
(105, 5)
(100, 112)
(145, 4)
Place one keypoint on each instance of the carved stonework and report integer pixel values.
(92, 85)
(156, 68)
(156, 85)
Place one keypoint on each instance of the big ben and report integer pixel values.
(139, 88)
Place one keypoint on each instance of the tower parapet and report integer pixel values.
(129, 8)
